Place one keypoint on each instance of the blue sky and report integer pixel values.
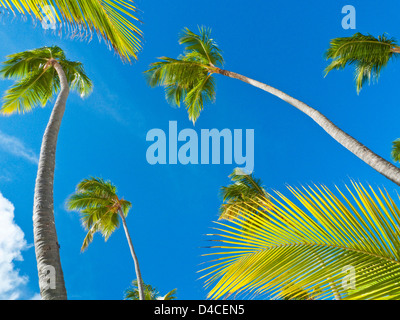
(279, 43)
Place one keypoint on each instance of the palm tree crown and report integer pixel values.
(190, 77)
(244, 192)
(368, 54)
(111, 20)
(150, 293)
(98, 202)
(36, 79)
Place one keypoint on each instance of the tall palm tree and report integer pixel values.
(111, 20)
(40, 74)
(190, 79)
(150, 293)
(102, 210)
(328, 235)
(369, 55)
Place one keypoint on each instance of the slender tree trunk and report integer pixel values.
(51, 278)
(135, 259)
(381, 165)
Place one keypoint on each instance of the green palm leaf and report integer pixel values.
(368, 54)
(170, 295)
(305, 244)
(111, 20)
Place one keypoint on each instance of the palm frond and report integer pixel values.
(396, 150)
(170, 295)
(33, 90)
(303, 244)
(111, 20)
(168, 71)
(203, 92)
(77, 78)
(203, 44)
(368, 54)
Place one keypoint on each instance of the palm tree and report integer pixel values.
(101, 210)
(190, 79)
(369, 55)
(111, 20)
(40, 74)
(150, 293)
(242, 193)
(328, 234)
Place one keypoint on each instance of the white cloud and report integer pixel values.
(12, 243)
(16, 147)
(36, 296)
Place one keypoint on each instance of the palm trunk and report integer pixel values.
(135, 259)
(51, 278)
(375, 161)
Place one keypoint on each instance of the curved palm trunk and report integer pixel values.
(135, 259)
(51, 278)
(381, 165)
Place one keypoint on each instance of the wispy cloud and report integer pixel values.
(12, 243)
(17, 148)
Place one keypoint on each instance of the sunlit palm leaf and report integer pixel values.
(203, 44)
(306, 243)
(170, 295)
(109, 19)
(368, 54)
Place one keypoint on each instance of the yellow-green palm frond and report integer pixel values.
(368, 54)
(37, 81)
(308, 243)
(169, 296)
(111, 20)
(97, 201)
(189, 78)
(36, 89)
(203, 44)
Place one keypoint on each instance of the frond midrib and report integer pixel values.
(366, 41)
(23, 92)
(327, 246)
